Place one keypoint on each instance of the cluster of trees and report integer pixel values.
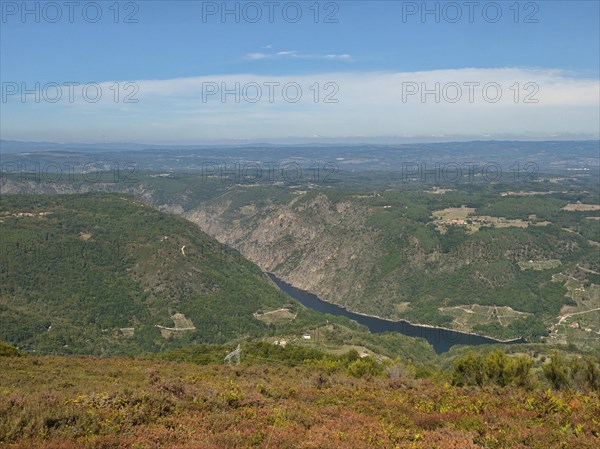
(573, 372)
(497, 368)
(521, 207)
(350, 362)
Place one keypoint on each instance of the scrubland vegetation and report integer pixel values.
(296, 398)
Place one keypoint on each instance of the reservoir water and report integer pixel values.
(441, 339)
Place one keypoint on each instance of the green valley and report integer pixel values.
(106, 274)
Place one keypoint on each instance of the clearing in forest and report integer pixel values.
(275, 316)
(539, 265)
(468, 316)
(182, 324)
(580, 207)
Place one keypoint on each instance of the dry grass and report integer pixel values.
(454, 213)
(581, 207)
(465, 216)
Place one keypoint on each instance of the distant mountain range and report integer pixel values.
(16, 146)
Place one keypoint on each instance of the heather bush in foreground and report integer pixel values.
(68, 402)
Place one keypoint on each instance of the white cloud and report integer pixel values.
(369, 104)
(344, 56)
(295, 54)
(256, 56)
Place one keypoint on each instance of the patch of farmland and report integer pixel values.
(539, 265)
(275, 316)
(580, 323)
(464, 216)
(576, 207)
(182, 324)
(468, 316)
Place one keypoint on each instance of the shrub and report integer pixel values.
(468, 370)
(592, 374)
(7, 350)
(365, 366)
(497, 368)
(326, 365)
(521, 372)
(557, 371)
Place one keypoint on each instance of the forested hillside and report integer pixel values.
(483, 261)
(103, 273)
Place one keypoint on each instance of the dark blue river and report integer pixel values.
(441, 339)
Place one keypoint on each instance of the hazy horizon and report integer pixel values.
(191, 72)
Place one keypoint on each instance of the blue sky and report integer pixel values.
(371, 54)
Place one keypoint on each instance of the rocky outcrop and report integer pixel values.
(310, 242)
